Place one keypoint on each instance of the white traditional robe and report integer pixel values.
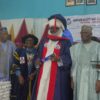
(84, 72)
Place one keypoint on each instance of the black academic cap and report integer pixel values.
(30, 36)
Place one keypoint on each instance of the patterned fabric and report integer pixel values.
(5, 87)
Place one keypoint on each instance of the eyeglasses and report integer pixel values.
(54, 29)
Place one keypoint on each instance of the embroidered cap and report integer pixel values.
(86, 28)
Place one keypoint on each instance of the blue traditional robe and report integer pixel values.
(6, 58)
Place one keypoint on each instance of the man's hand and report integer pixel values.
(31, 76)
(54, 58)
(97, 86)
(98, 66)
(21, 79)
(72, 83)
(38, 62)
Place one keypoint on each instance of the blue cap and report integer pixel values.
(3, 29)
(59, 17)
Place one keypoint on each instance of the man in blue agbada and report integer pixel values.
(7, 49)
(54, 61)
(24, 67)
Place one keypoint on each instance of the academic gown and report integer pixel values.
(20, 60)
(60, 84)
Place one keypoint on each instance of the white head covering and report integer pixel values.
(86, 28)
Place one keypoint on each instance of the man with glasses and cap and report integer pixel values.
(7, 49)
(54, 62)
(24, 67)
(85, 71)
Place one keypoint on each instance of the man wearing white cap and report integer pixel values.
(85, 71)
(53, 57)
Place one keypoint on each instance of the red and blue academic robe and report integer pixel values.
(59, 83)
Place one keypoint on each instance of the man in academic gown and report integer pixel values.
(24, 67)
(54, 62)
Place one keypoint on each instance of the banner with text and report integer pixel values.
(74, 24)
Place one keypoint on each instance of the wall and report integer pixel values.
(10, 9)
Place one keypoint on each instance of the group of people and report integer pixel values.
(55, 69)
